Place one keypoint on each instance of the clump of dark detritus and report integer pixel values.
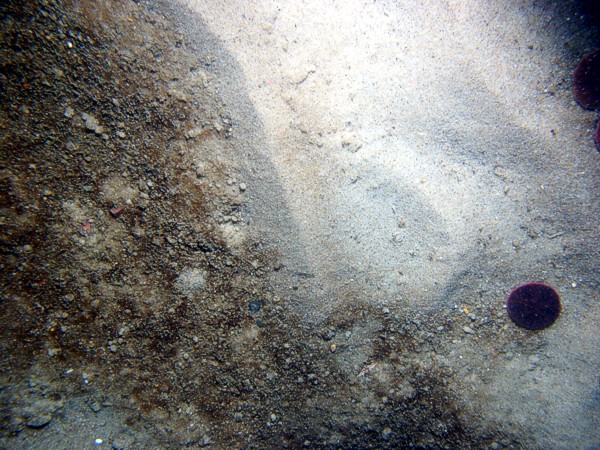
(534, 306)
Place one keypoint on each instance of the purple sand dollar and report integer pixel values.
(534, 306)
(586, 81)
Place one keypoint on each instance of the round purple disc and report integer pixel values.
(586, 81)
(534, 306)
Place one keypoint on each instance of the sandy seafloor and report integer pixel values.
(422, 158)
(405, 137)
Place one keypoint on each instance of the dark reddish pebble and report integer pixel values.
(586, 81)
(116, 211)
(534, 306)
(597, 135)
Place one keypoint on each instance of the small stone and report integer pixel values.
(273, 417)
(39, 420)
(69, 112)
(123, 442)
(95, 406)
(468, 330)
(333, 348)
(194, 133)
(117, 211)
(243, 187)
(254, 306)
(351, 143)
(327, 334)
(386, 433)
(53, 351)
(397, 238)
(91, 123)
